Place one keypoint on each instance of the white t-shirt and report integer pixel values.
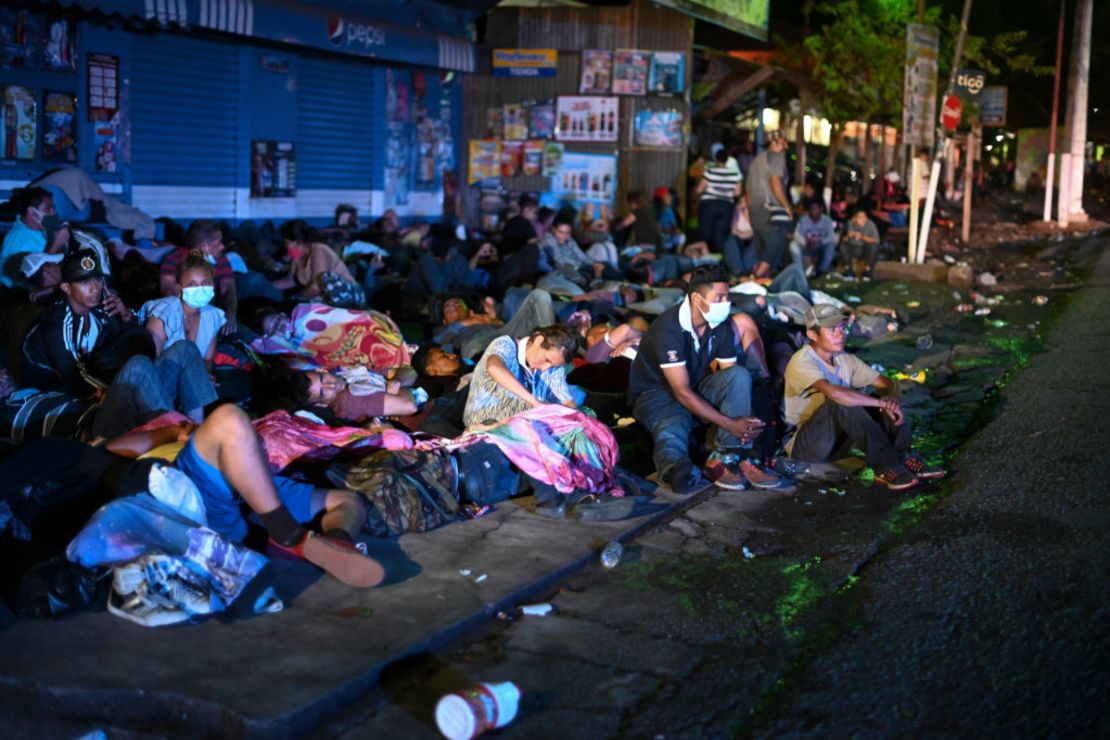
(172, 314)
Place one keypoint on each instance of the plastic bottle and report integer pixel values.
(611, 554)
(468, 713)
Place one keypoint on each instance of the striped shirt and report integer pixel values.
(489, 402)
(720, 183)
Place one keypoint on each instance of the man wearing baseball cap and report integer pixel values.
(829, 410)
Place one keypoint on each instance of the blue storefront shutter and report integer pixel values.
(185, 120)
(339, 126)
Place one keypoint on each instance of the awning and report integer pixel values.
(302, 25)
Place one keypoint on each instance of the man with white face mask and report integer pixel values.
(686, 370)
(29, 233)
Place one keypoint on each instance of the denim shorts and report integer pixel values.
(222, 504)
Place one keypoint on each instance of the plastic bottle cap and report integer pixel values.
(455, 718)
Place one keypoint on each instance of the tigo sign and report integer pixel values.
(969, 82)
(525, 62)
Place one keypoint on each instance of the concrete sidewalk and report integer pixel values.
(329, 645)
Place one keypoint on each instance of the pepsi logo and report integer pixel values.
(336, 27)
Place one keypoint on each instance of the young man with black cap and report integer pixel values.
(672, 381)
(88, 341)
(827, 405)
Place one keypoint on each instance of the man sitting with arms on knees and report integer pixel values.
(516, 375)
(224, 458)
(826, 405)
(672, 382)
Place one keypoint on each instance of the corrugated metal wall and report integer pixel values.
(640, 25)
(339, 125)
(185, 122)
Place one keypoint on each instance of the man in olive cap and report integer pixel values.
(828, 408)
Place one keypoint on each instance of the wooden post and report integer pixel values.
(915, 207)
(969, 181)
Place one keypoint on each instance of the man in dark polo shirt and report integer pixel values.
(685, 370)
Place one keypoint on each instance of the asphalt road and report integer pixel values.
(976, 606)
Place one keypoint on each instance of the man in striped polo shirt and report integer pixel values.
(719, 188)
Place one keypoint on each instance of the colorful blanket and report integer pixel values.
(289, 438)
(557, 445)
(326, 337)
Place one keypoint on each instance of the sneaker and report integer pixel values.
(916, 465)
(724, 471)
(602, 508)
(681, 480)
(819, 472)
(897, 479)
(342, 560)
(766, 479)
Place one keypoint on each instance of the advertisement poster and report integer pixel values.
(60, 45)
(106, 141)
(17, 137)
(495, 123)
(668, 72)
(630, 72)
(586, 119)
(919, 101)
(533, 158)
(542, 123)
(515, 122)
(103, 86)
(512, 153)
(398, 138)
(587, 182)
(597, 72)
(59, 129)
(18, 33)
(552, 158)
(484, 161)
(273, 169)
(661, 128)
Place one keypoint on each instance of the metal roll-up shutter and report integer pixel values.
(185, 145)
(339, 126)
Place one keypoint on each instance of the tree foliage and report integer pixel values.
(856, 58)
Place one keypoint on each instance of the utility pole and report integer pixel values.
(939, 150)
(1050, 177)
(1077, 108)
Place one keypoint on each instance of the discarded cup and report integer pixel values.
(468, 713)
(610, 556)
(537, 610)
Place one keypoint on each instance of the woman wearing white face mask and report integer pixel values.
(190, 315)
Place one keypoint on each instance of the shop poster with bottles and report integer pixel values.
(588, 182)
(19, 31)
(17, 136)
(579, 118)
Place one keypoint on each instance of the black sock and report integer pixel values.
(340, 534)
(282, 526)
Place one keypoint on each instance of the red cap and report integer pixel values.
(660, 191)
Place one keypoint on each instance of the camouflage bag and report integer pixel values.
(407, 490)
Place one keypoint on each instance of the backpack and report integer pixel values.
(408, 490)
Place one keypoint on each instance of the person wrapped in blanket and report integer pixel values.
(317, 336)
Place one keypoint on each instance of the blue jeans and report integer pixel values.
(771, 245)
(715, 221)
(670, 267)
(143, 389)
(821, 253)
(739, 255)
(670, 423)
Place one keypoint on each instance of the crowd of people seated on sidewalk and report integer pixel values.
(317, 385)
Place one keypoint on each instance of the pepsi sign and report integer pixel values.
(345, 33)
